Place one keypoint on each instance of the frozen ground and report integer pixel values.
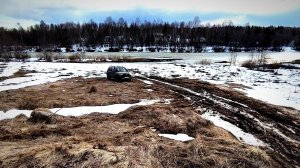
(281, 87)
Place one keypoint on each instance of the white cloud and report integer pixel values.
(30, 12)
(236, 20)
(256, 7)
(9, 22)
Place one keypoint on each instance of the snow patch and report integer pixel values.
(111, 109)
(178, 137)
(83, 110)
(148, 82)
(13, 113)
(237, 132)
(149, 90)
(10, 69)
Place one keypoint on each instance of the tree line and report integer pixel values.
(189, 36)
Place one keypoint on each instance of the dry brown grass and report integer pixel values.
(75, 92)
(204, 62)
(122, 140)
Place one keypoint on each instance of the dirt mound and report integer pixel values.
(41, 115)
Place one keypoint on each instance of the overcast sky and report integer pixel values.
(255, 12)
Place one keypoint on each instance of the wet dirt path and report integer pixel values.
(278, 127)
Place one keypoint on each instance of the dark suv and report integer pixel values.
(118, 73)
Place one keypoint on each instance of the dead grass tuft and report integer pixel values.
(93, 89)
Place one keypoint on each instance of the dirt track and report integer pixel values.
(278, 126)
(128, 140)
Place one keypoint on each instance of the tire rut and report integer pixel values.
(277, 129)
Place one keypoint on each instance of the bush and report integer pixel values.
(6, 56)
(258, 61)
(75, 58)
(21, 55)
(204, 62)
(233, 58)
(46, 56)
(274, 65)
(250, 64)
(296, 61)
(262, 59)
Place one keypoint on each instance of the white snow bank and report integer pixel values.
(78, 111)
(237, 132)
(178, 137)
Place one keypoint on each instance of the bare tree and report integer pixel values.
(233, 58)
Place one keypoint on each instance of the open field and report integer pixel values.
(132, 138)
(173, 114)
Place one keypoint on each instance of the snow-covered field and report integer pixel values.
(281, 87)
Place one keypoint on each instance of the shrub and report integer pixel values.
(58, 56)
(256, 62)
(204, 62)
(233, 58)
(296, 61)
(46, 56)
(250, 64)
(262, 59)
(219, 49)
(21, 55)
(75, 57)
(6, 56)
(274, 65)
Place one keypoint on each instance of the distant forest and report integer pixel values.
(118, 35)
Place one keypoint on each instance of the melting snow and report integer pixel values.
(13, 113)
(148, 82)
(178, 137)
(10, 69)
(111, 109)
(78, 111)
(281, 87)
(237, 132)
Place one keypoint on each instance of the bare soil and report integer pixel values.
(128, 139)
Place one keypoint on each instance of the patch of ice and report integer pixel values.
(149, 90)
(237, 132)
(178, 137)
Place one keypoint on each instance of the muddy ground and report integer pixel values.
(130, 138)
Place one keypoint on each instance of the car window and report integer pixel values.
(121, 69)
